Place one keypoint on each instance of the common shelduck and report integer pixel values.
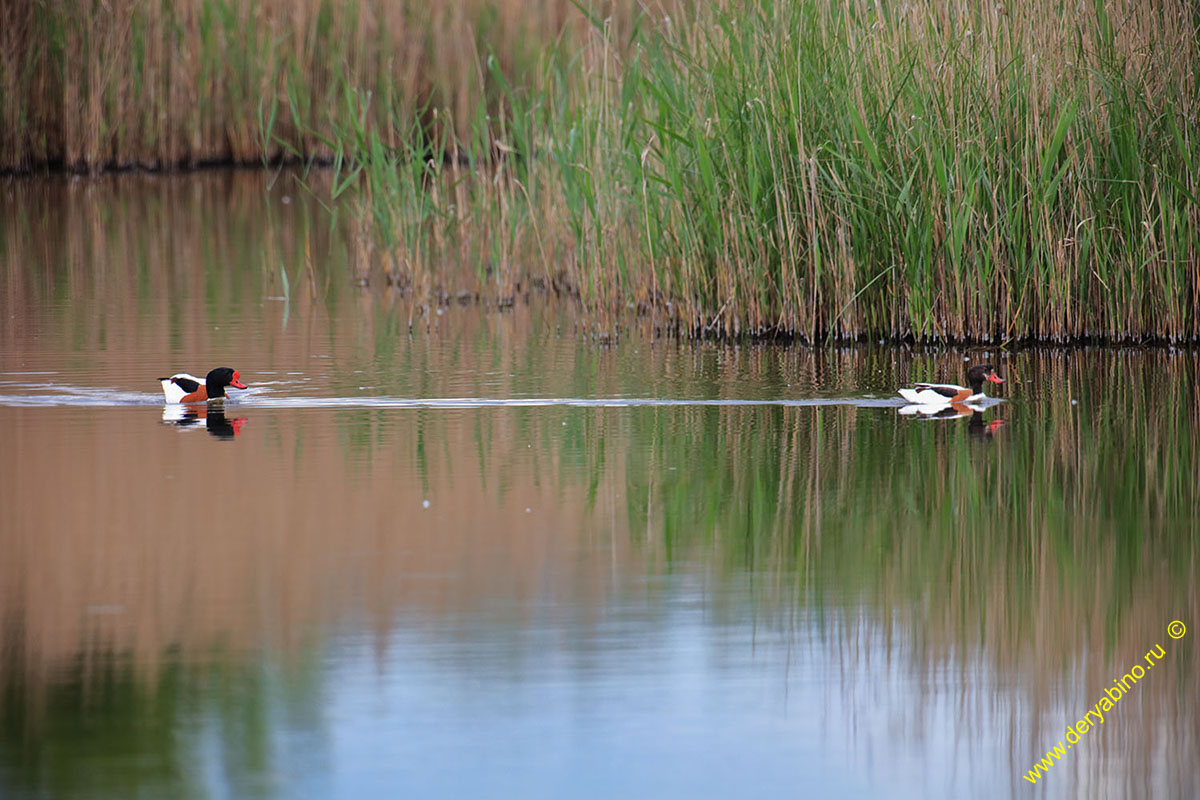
(184, 388)
(942, 394)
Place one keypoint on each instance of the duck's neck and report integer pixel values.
(976, 387)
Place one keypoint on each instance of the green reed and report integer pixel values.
(835, 169)
(845, 170)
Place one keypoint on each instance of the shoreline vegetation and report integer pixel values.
(841, 169)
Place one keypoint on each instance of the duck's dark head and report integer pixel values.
(216, 381)
(979, 373)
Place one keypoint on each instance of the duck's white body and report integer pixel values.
(940, 394)
(173, 391)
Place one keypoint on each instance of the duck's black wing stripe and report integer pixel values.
(188, 385)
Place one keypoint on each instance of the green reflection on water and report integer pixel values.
(1066, 535)
(194, 726)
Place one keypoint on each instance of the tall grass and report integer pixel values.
(833, 169)
(952, 171)
(89, 86)
(843, 169)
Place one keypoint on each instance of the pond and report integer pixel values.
(453, 550)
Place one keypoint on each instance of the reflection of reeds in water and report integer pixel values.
(135, 247)
(1041, 564)
(1039, 561)
(1053, 560)
(198, 250)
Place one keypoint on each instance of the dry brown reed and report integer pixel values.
(135, 82)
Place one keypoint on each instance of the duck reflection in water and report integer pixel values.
(976, 426)
(212, 414)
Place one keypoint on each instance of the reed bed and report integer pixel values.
(829, 170)
(836, 170)
(954, 171)
(90, 86)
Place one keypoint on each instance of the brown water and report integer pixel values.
(446, 551)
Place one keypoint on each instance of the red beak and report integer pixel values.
(994, 378)
(237, 381)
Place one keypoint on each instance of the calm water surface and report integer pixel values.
(462, 552)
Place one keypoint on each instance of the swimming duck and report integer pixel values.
(947, 393)
(184, 388)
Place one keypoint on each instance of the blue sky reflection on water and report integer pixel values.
(677, 706)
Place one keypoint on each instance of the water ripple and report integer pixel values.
(48, 394)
